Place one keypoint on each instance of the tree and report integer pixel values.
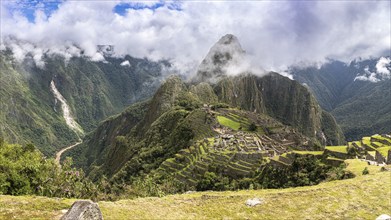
(252, 127)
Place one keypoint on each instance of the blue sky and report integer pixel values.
(28, 7)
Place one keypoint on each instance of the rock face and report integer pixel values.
(283, 99)
(83, 210)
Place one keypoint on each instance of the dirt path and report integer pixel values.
(58, 154)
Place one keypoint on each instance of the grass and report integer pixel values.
(356, 166)
(228, 122)
(340, 149)
(377, 136)
(308, 152)
(334, 158)
(384, 150)
(364, 197)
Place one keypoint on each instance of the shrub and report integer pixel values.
(252, 127)
(365, 171)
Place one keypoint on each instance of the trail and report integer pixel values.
(58, 154)
(69, 120)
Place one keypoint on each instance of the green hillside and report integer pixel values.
(93, 90)
(361, 108)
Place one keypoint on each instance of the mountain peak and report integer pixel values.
(229, 39)
(225, 53)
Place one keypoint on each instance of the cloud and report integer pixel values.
(382, 64)
(275, 34)
(382, 71)
(125, 63)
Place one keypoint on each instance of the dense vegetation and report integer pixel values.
(26, 171)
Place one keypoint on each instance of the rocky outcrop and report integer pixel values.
(83, 210)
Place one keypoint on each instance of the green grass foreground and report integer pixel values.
(363, 197)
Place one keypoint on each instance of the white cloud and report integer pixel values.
(382, 66)
(125, 63)
(382, 71)
(289, 76)
(275, 34)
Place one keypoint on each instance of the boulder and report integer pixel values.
(253, 202)
(83, 210)
(383, 217)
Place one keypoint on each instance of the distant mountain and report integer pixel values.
(29, 111)
(357, 94)
(261, 116)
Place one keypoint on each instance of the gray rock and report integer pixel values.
(253, 202)
(384, 217)
(83, 210)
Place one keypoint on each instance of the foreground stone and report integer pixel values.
(83, 210)
(253, 202)
(384, 217)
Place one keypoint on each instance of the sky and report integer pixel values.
(275, 34)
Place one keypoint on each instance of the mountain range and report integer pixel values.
(93, 91)
(352, 94)
(213, 114)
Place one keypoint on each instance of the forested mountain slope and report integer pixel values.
(356, 94)
(29, 111)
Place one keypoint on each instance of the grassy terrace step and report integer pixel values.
(167, 168)
(241, 167)
(381, 138)
(339, 149)
(308, 152)
(228, 122)
(377, 144)
(276, 162)
(201, 164)
(372, 153)
(357, 144)
(244, 163)
(234, 171)
(174, 164)
(284, 159)
(384, 150)
(185, 178)
(334, 158)
(369, 147)
(208, 159)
